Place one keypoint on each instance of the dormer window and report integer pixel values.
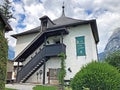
(44, 25)
(45, 22)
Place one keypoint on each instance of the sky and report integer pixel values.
(28, 12)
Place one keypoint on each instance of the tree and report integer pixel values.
(5, 15)
(114, 59)
(3, 60)
(5, 10)
(97, 76)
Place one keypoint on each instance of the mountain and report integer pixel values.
(113, 42)
(112, 45)
(101, 56)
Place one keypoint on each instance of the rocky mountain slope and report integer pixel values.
(113, 42)
(112, 45)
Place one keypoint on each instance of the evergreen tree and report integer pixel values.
(4, 11)
(3, 59)
(114, 59)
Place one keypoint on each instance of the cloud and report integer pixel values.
(28, 12)
(1, 2)
(107, 23)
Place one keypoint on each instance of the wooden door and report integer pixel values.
(53, 76)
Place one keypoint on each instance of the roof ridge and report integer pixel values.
(75, 19)
(68, 18)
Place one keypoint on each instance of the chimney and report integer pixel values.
(44, 21)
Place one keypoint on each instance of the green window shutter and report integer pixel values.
(80, 46)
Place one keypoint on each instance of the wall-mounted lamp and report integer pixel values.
(40, 72)
(37, 76)
(69, 69)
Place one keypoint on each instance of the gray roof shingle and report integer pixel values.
(63, 20)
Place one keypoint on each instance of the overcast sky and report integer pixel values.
(28, 12)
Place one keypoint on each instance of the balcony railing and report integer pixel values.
(54, 50)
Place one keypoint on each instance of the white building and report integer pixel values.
(38, 49)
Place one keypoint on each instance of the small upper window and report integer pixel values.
(57, 41)
(44, 25)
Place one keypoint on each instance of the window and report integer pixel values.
(57, 41)
(44, 25)
(80, 46)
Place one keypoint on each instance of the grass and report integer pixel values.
(39, 87)
(67, 88)
(9, 89)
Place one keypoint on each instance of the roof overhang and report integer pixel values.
(94, 30)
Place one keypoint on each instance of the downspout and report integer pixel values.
(62, 40)
(44, 63)
(17, 78)
(44, 67)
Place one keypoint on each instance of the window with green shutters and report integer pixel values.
(80, 46)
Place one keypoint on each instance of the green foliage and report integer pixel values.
(38, 87)
(62, 72)
(85, 88)
(97, 76)
(68, 88)
(114, 59)
(2, 26)
(3, 60)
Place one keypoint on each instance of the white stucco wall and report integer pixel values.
(53, 62)
(33, 78)
(73, 61)
(23, 41)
